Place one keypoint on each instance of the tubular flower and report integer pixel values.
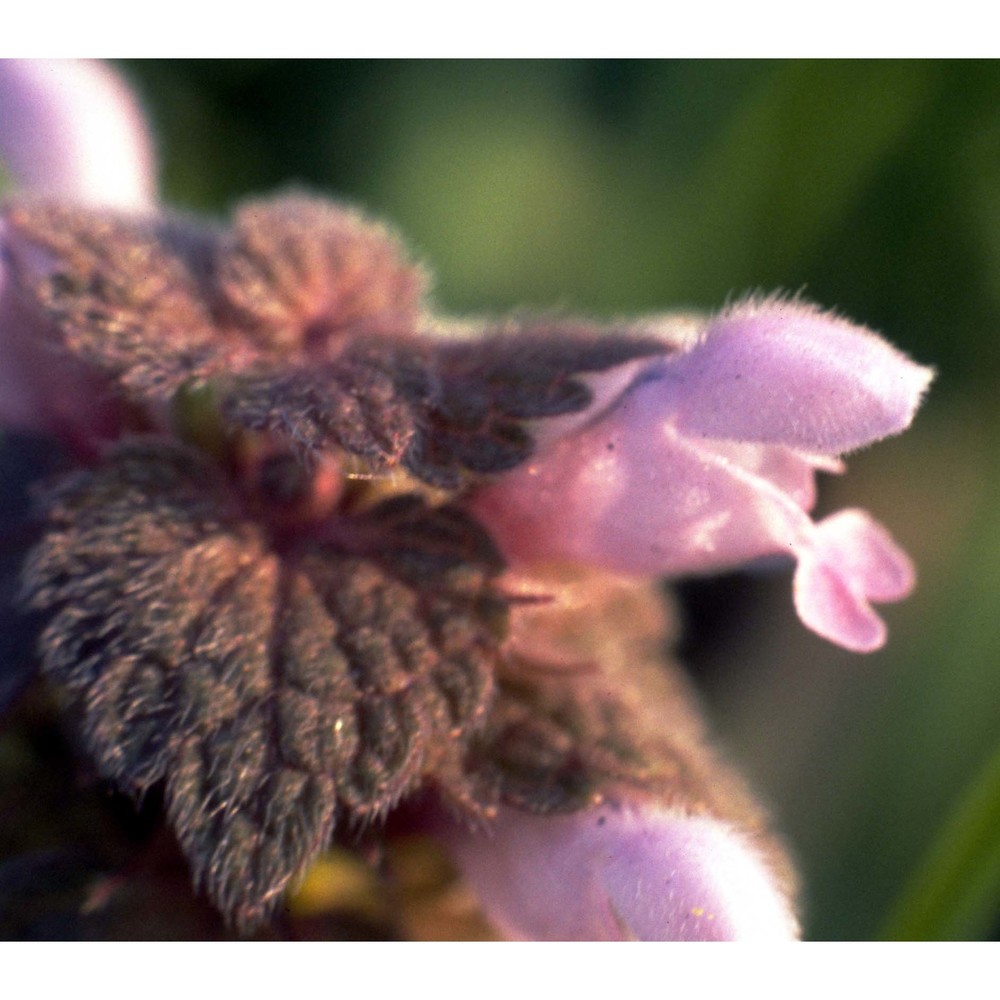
(706, 460)
(72, 130)
(624, 872)
(328, 557)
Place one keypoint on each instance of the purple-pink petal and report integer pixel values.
(629, 872)
(851, 561)
(634, 495)
(72, 129)
(786, 372)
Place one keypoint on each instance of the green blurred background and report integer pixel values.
(627, 187)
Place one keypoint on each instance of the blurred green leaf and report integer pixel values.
(795, 157)
(953, 896)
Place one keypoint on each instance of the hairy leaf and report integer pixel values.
(474, 408)
(586, 708)
(355, 403)
(298, 274)
(443, 410)
(307, 320)
(125, 293)
(277, 685)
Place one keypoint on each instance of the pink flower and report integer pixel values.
(705, 460)
(71, 129)
(612, 819)
(624, 872)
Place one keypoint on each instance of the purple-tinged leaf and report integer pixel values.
(122, 293)
(279, 684)
(306, 323)
(302, 276)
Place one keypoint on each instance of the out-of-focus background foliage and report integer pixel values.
(620, 188)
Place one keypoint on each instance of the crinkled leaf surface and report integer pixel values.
(277, 685)
(481, 395)
(125, 293)
(441, 410)
(587, 710)
(298, 273)
(308, 321)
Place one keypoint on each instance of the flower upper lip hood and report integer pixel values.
(706, 460)
(779, 371)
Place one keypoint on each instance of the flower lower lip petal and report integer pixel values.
(851, 561)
